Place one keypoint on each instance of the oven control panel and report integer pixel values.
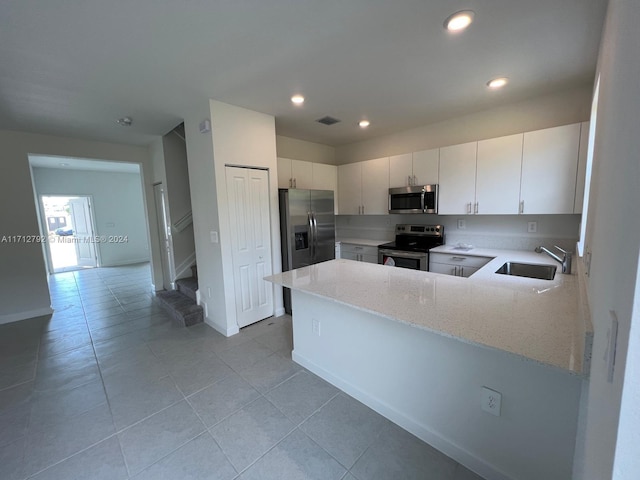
(427, 230)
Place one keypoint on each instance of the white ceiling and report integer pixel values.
(66, 163)
(71, 67)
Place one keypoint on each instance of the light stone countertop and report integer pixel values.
(363, 241)
(538, 320)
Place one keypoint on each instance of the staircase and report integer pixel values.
(181, 303)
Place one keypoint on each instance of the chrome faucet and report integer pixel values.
(565, 261)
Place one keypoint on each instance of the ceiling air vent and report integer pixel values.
(327, 120)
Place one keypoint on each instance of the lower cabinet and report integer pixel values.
(457, 265)
(359, 253)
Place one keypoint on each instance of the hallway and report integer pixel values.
(108, 389)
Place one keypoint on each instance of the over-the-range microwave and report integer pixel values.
(414, 199)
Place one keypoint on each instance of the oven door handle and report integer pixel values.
(396, 253)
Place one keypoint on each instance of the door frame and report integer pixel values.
(44, 228)
(163, 218)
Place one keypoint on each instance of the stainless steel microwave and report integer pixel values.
(414, 199)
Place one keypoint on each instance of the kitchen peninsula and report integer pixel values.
(418, 347)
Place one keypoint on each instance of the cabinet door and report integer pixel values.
(350, 189)
(457, 179)
(375, 186)
(549, 169)
(325, 177)
(442, 268)
(284, 173)
(499, 166)
(425, 167)
(400, 170)
(582, 167)
(302, 173)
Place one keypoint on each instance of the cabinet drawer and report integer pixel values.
(455, 259)
(361, 249)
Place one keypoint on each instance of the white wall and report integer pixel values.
(561, 108)
(118, 208)
(238, 137)
(288, 147)
(613, 238)
(23, 281)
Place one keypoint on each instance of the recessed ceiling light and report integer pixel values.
(497, 82)
(124, 121)
(364, 123)
(459, 20)
(297, 99)
(64, 164)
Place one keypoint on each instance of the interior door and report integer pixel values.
(248, 199)
(164, 231)
(82, 224)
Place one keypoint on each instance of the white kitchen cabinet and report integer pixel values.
(325, 177)
(359, 253)
(350, 189)
(425, 167)
(363, 187)
(549, 169)
(457, 179)
(401, 170)
(456, 265)
(582, 167)
(375, 186)
(498, 168)
(294, 173)
(417, 168)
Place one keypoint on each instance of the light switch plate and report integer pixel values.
(214, 236)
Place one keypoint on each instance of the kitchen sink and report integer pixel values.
(530, 270)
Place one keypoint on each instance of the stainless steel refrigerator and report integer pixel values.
(307, 230)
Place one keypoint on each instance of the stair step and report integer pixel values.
(188, 286)
(182, 308)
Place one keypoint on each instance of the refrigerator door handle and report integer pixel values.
(311, 236)
(315, 235)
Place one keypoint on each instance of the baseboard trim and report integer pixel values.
(16, 317)
(227, 332)
(279, 312)
(125, 262)
(185, 265)
(433, 438)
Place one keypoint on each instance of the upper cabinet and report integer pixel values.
(363, 187)
(294, 173)
(582, 167)
(325, 177)
(549, 169)
(426, 167)
(457, 179)
(418, 168)
(498, 175)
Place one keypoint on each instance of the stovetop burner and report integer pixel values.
(416, 238)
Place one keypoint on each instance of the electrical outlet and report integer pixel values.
(491, 401)
(462, 224)
(532, 227)
(214, 236)
(315, 326)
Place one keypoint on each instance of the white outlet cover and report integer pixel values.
(315, 326)
(462, 224)
(491, 401)
(532, 227)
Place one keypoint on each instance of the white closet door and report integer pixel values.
(248, 196)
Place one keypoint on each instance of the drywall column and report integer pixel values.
(613, 238)
(238, 137)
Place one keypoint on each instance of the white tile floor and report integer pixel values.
(108, 388)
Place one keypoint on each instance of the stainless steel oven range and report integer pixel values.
(412, 245)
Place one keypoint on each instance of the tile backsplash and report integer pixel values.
(507, 232)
